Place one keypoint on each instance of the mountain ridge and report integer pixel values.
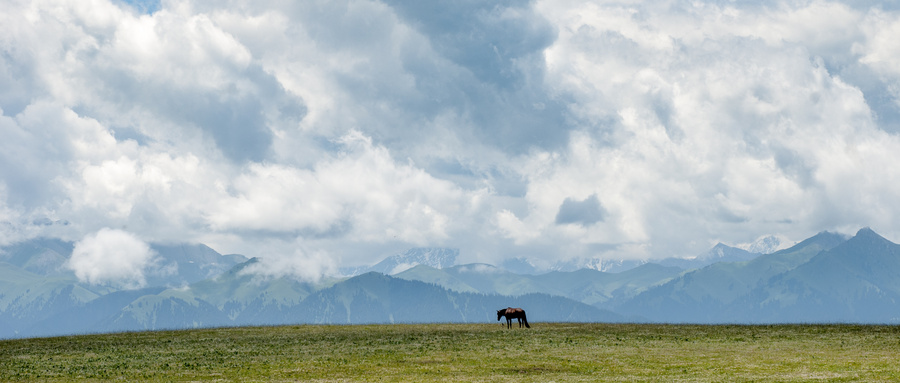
(828, 277)
(728, 292)
(436, 257)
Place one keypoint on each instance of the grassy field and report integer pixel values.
(466, 352)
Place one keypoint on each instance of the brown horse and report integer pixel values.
(511, 313)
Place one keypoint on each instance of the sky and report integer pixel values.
(318, 134)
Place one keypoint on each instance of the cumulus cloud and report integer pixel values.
(584, 213)
(716, 128)
(303, 265)
(113, 257)
(360, 192)
(355, 128)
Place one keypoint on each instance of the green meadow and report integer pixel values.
(466, 352)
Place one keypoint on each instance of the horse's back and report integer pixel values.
(515, 312)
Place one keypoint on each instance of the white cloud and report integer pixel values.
(694, 125)
(360, 193)
(355, 128)
(304, 265)
(881, 50)
(112, 257)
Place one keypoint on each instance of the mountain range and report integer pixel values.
(826, 278)
(431, 256)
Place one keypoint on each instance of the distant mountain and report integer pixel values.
(719, 253)
(41, 256)
(231, 299)
(377, 298)
(40, 295)
(189, 263)
(435, 257)
(475, 278)
(519, 266)
(524, 266)
(599, 264)
(826, 278)
(175, 265)
(765, 245)
(604, 289)
(87, 317)
(856, 281)
(725, 291)
(585, 285)
(162, 311)
(368, 298)
(27, 298)
(247, 298)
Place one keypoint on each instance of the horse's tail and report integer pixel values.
(524, 319)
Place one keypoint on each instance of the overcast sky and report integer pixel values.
(326, 133)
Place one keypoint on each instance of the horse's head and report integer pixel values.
(500, 313)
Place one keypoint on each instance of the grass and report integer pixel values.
(466, 352)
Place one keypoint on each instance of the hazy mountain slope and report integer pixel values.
(49, 299)
(376, 298)
(858, 280)
(368, 298)
(246, 298)
(41, 256)
(440, 277)
(719, 253)
(40, 295)
(519, 266)
(484, 279)
(155, 312)
(436, 257)
(189, 263)
(173, 265)
(89, 317)
(476, 277)
(778, 262)
(598, 264)
(27, 298)
(717, 293)
(238, 286)
(825, 278)
(585, 285)
(605, 289)
(488, 279)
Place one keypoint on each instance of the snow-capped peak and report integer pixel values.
(599, 264)
(436, 257)
(766, 244)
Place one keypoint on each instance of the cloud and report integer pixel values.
(303, 265)
(113, 257)
(355, 129)
(716, 129)
(585, 213)
(495, 51)
(360, 193)
(184, 68)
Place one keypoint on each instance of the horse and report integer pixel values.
(511, 313)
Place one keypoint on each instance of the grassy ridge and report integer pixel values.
(466, 352)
